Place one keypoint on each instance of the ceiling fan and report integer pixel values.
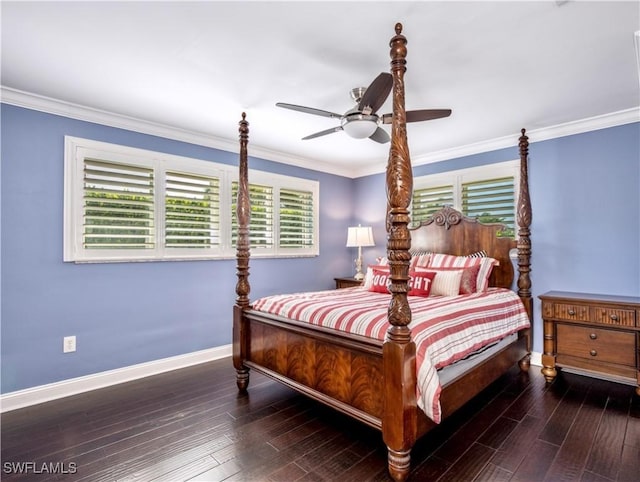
(362, 121)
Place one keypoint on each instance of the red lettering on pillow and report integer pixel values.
(379, 281)
(368, 278)
(420, 283)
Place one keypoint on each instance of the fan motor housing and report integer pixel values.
(359, 125)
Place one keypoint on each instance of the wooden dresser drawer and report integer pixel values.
(573, 312)
(613, 316)
(608, 346)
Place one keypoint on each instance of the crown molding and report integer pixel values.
(75, 111)
(627, 116)
(88, 114)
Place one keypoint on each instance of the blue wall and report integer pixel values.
(585, 195)
(123, 313)
(585, 236)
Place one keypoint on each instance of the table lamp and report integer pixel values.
(359, 236)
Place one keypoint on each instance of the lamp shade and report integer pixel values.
(360, 236)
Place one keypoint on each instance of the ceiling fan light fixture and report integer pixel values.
(362, 120)
(360, 126)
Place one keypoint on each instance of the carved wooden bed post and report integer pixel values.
(296, 355)
(399, 426)
(524, 241)
(243, 213)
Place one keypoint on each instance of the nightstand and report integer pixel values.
(347, 282)
(592, 334)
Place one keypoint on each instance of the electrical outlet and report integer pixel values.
(69, 344)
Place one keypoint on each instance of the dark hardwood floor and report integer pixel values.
(191, 424)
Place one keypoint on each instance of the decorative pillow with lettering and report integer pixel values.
(368, 277)
(379, 280)
(420, 283)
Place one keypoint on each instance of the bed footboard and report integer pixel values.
(341, 370)
(346, 372)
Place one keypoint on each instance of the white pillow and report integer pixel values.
(446, 283)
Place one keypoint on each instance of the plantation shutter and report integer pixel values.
(192, 211)
(490, 201)
(296, 219)
(118, 206)
(426, 201)
(262, 209)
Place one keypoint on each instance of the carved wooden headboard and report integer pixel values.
(448, 231)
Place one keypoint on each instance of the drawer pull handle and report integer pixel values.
(593, 353)
(572, 312)
(593, 336)
(614, 317)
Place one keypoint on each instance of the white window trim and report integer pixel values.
(76, 149)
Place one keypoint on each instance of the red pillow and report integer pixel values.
(369, 275)
(379, 280)
(420, 283)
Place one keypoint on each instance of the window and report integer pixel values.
(487, 193)
(126, 204)
(261, 224)
(191, 211)
(427, 200)
(283, 220)
(490, 200)
(118, 208)
(296, 219)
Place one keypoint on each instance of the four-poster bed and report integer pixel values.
(375, 379)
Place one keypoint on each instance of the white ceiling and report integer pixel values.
(194, 67)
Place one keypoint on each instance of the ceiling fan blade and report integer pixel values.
(309, 110)
(420, 115)
(380, 135)
(427, 114)
(376, 93)
(323, 133)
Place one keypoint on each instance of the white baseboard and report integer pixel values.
(536, 358)
(52, 391)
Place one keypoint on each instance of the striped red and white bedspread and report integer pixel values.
(445, 329)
